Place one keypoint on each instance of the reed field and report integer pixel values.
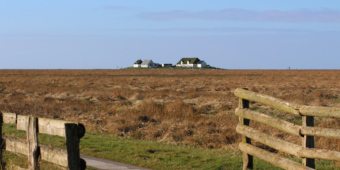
(190, 107)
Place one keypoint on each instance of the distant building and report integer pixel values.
(184, 62)
(167, 65)
(137, 64)
(147, 64)
(157, 65)
(191, 62)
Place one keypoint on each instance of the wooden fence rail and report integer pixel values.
(307, 131)
(70, 159)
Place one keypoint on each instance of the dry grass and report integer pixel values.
(175, 106)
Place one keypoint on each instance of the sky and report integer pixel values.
(113, 34)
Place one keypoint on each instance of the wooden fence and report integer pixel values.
(306, 131)
(70, 159)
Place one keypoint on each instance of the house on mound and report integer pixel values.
(191, 62)
(138, 63)
(147, 64)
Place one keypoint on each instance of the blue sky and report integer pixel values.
(110, 34)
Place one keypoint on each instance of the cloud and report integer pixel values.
(235, 14)
(112, 7)
(226, 30)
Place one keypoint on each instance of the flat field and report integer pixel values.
(191, 107)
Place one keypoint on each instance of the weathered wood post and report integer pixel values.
(73, 134)
(1, 142)
(32, 142)
(72, 145)
(308, 141)
(247, 159)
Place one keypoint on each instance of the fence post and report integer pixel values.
(1, 142)
(72, 145)
(32, 141)
(308, 141)
(247, 159)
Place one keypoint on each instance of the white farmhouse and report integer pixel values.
(147, 64)
(137, 64)
(191, 62)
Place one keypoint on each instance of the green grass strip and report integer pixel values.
(150, 154)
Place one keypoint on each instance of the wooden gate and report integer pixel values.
(71, 131)
(306, 131)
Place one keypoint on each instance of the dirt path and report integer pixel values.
(107, 164)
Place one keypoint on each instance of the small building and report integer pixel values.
(191, 62)
(167, 65)
(201, 64)
(137, 64)
(147, 64)
(157, 65)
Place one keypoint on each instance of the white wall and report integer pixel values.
(186, 65)
(136, 65)
(202, 65)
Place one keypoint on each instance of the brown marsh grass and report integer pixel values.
(194, 107)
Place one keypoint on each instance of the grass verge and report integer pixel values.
(150, 154)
